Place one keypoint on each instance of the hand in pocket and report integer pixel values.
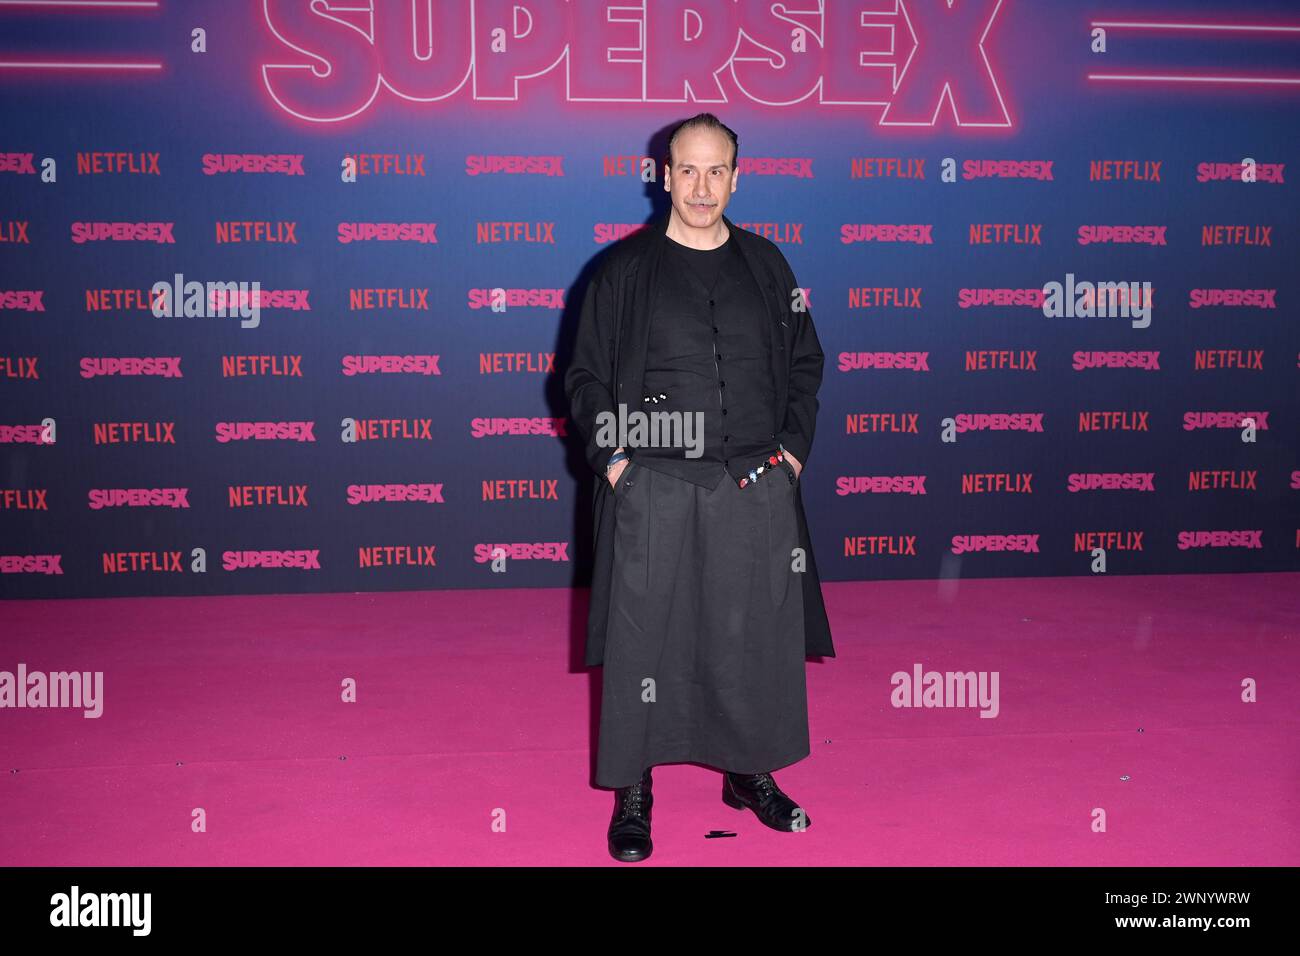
(616, 472)
(794, 463)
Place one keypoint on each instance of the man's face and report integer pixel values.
(700, 178)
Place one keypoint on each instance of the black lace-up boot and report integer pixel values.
(759, 792)
(629, 827)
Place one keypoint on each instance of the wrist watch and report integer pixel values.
(614, 459)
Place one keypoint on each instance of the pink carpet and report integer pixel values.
(1122, 694)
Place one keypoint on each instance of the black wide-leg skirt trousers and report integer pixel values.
(704, 650)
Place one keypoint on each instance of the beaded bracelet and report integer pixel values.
(769, 465)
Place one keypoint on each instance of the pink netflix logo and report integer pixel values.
(982, 298)
(981, 422)
(265, 431)
(25, 435)
(962, 543)
(419, 232)
(1196, 421)
(31, 564)
(514, 165)
(368, 494)
(1146, 360)
(21, 164)
(1037, 169)
(522, 551)
(880, 485)
(161, 366)
(391, 364)
(1246, 172)
(794, 167)
(494, 427)
(912, 60)
(1111, 481)
(921, 234)
(1234, 298)
(604, 233)
(242, 300)
(862, 361)
(1123, 235)
(500, 299)
(305, 560)
(158, 232)
(99, 498)
(283, 164)
(22, 300)
(1253, 540)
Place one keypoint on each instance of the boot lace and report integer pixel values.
(633, 801)
(765, 785)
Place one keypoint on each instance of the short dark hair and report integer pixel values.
(706, 121)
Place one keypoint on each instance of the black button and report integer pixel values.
(715, 328)
(710, 302)
(719, 356)
(721, 384)
(726, 438)
(724, 411)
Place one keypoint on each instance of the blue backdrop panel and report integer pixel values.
(926, 168)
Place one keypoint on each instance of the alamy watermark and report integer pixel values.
(207, 300)
(129, 910)
(922, 688)
(76, 689)
(638, 429)
(1101, 300)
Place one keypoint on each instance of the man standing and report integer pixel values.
(705, 597)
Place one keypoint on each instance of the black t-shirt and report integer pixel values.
(709, 352)
(705, 262)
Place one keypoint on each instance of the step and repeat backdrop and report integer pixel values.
(287, 287)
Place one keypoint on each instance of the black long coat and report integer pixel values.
(609, 360)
